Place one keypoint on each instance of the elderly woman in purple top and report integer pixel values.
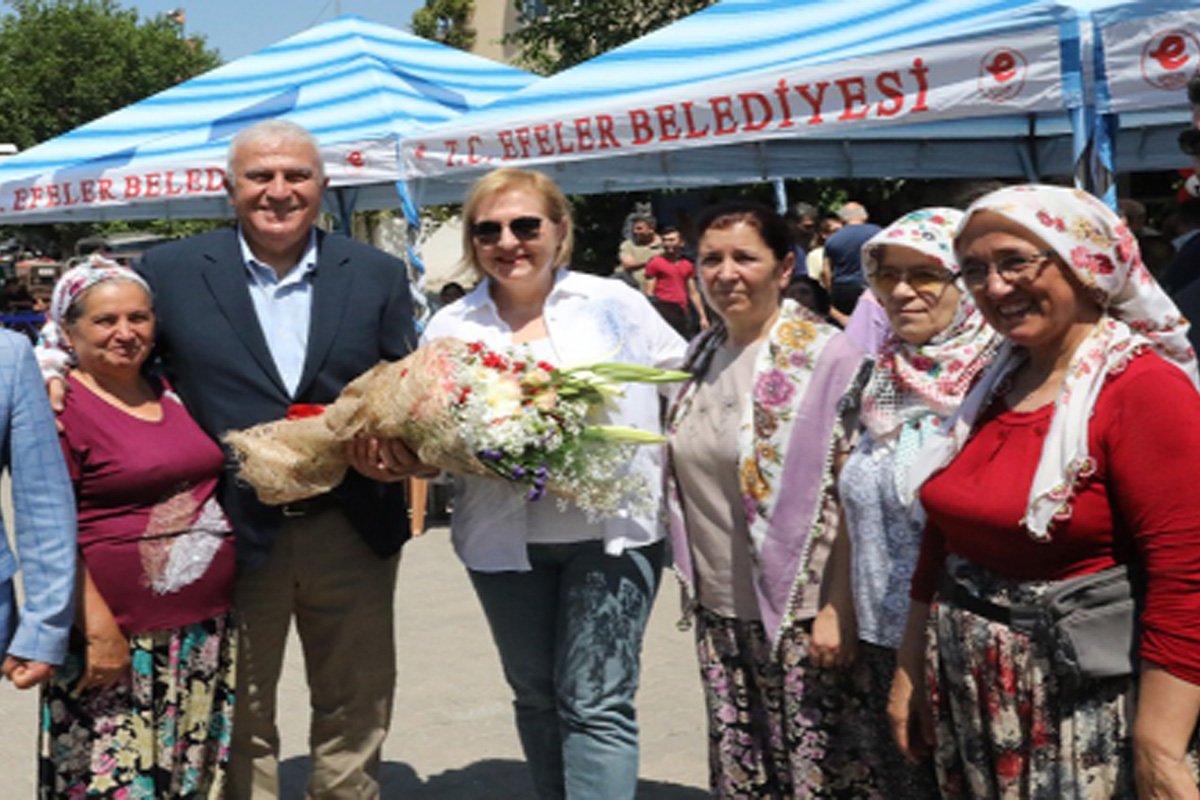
(143, 705)
(754, 524)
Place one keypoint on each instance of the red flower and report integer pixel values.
(304, 410)
(542, 365)
(493, 361)
(475, 347)
(519, 366)
(1009, 765)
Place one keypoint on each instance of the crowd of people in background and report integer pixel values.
(927, 492)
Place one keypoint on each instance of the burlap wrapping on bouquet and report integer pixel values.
(412, 399)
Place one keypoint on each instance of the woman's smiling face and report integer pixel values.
(513, 259)
(1037, 308)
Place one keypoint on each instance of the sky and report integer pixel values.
(240, 27)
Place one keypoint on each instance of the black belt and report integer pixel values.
(1019, 617)
(311, 506)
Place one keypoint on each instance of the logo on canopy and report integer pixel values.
(1170, 58)
(1002, 74)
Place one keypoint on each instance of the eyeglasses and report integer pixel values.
(525, 229)
(922, 280)
(1015, 269)
(1189, 142)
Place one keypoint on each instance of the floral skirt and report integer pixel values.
(903, 779)
(781, 728)
(1005, 725)
(162, 734)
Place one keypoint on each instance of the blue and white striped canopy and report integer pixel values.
(358, 86)
(753, 89)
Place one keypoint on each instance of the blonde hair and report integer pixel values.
(555, 206)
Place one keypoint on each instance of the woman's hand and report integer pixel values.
(908, 706)
(1166, 716)
(831, 645)
(106, 656)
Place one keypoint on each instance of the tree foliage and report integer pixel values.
(446, 21)
(67, 62)
(557, 34)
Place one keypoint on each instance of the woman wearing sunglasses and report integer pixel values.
(937, 345)
(566, 597)
(1061, 504)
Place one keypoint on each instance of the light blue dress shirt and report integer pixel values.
(43, 514)
(284, 308)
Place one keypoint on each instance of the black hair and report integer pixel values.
(771, 226)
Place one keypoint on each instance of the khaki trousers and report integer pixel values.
(341, 594)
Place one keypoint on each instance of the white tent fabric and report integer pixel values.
(927, 88)
(1147, 51)
(358, 86)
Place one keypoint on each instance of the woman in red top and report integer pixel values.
(1075, 453)
(142, 706)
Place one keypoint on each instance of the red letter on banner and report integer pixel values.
(639, 120)
(814, 102)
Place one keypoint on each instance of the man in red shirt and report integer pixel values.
(671, 282)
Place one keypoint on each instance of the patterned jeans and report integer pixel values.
(569, 634)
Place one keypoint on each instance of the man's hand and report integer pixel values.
(387, 460)
(26, 674)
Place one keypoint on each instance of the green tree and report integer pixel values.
(557, 34)
(446, 21)
(67, 62)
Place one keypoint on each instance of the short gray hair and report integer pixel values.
(272, 130)
(851, 212)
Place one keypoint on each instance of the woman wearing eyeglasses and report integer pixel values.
(937, 345)
(566, 597)
(1061, 504)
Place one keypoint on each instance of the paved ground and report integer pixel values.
(452, 736)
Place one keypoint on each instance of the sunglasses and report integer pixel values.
(1189, 142)
(525, 229)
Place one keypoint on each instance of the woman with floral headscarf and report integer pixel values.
(937, 344)
(142, 706)
(1069, 465)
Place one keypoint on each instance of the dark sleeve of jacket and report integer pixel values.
(212, 350)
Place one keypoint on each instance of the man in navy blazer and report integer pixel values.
(252, 321)
(33, 638)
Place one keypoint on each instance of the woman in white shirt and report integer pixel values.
(567, 598)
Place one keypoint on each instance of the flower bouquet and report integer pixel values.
(464, 408)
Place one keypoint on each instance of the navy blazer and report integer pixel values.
(214, 353)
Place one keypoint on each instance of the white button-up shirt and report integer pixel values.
(588, 319)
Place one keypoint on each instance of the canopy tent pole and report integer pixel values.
(781, 198)
(344, 204)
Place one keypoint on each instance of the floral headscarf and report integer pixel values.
(1103, 256)
(73, 283)
(909, 381)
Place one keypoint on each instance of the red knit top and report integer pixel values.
(1141, 504)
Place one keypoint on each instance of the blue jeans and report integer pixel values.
(569, 634)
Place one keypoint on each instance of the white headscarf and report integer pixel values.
(52, 344)
(1103, 256)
